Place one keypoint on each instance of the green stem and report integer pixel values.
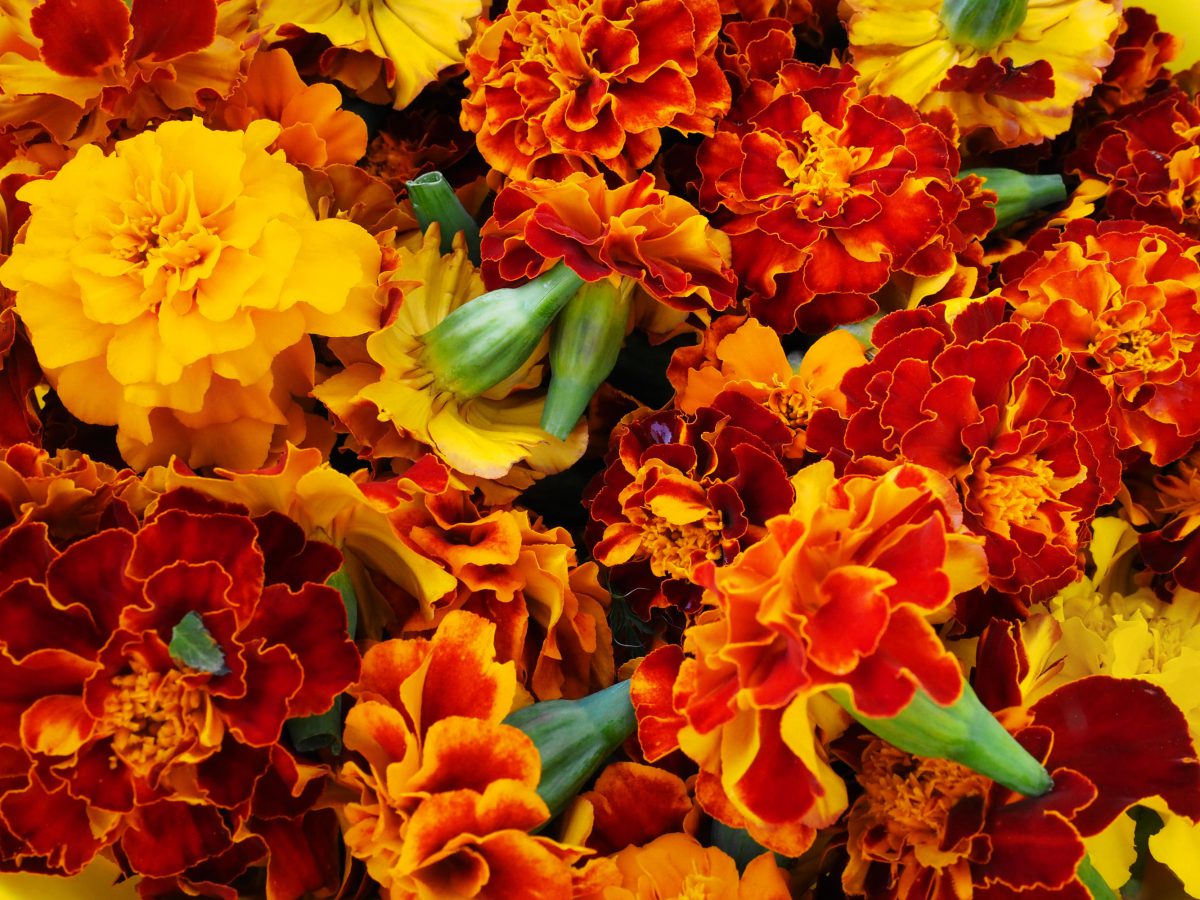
(433, 200)
(1093, 881)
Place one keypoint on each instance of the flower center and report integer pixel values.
(818, 169)
(151, 716)
(1021, 493)
(696, 886)
(911, 797)
(795, 407)
(675, 549)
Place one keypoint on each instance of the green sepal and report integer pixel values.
(433, 200)
(1019, 195)
(1094, 881)
(574, 738)
(964, 732)
(584, 345)
(488, 339)
(309, 734)
(192, 645)
(983, 24)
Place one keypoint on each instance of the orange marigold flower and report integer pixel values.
(167, 750)
(932, 828)
(445, 794)
(684, 490)
(743, 356)
(387, 52)
(1022, 432)
(632, 804)
(837, 593)
(1170, 549)
(1021, 91)
(827, 196)
(584, 85)
(1148, 159)
(77, 70)
(170, 289)
(637, 232)
(315, 130)
(1124, 298)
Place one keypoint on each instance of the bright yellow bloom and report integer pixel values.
(393, 405)
(169, 289)
(1024, 89)
(413, 40)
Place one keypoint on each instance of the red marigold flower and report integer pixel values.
(1123, 297)
(682, 490)
(168, 753)
(1142, 51)
(584, 85)
(636, 231)
(1148, 158)
(931, 828)
(836, 594)
(829, 195)
(1021, 431)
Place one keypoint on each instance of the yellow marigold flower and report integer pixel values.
(169, 289)
(1023, 89)
(393, 405)
(412, 41)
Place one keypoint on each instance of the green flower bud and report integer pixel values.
(982, 24)
(574, 738)
(584, 344)
(964, 732)
(1020, 195)
(433, 200)
(483, 342)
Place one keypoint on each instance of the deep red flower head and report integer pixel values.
(1139, 63)
(585, 85)
(828, 196)
(994, 406)
(1125, 299)
(681, 490)
(131, 740)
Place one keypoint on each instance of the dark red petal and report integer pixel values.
(165, 29)
(81, 37)
(167, 837)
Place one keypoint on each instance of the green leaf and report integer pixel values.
(191, 645)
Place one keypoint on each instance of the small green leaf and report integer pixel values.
(192, 646)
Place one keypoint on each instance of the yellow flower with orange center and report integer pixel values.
(169, 289)
(1023, 89)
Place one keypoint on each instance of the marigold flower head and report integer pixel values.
(1148, 160)
(1142, 52)
(837, 593)
(444, 793)
(316, 131)
(682, 490)
(1022, 432)
(585, 85)
(745, 357)
(169, 289)
(1123, 298)
(637, 232)
(829, 195)
(393, 405)
(78, 71)
(132, 742)
(387, 52)
(1020, 91)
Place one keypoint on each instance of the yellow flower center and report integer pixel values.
(819, 168)
(151, 715)
(793, 406)
(697, 886)
(1014, 493)
(1167, 633)
(673, 547)
(912, 796)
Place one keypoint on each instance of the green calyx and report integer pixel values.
(1019, 195)
(982, 24)
(488, 339)
(584, 344)
(433, 200)
(964, 732)
(574, 738)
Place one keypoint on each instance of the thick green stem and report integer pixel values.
(965, 732)
(983, 24)
(483, 342)
(1094, 881)
(433, 200)
(1019, 195)
(574, 738)
(584, 344)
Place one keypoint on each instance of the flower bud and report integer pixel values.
(964, 732)
(983, 24)
(1019, 195)
(484, 341)
(584, 344)
(574, 738)
(433, 200)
